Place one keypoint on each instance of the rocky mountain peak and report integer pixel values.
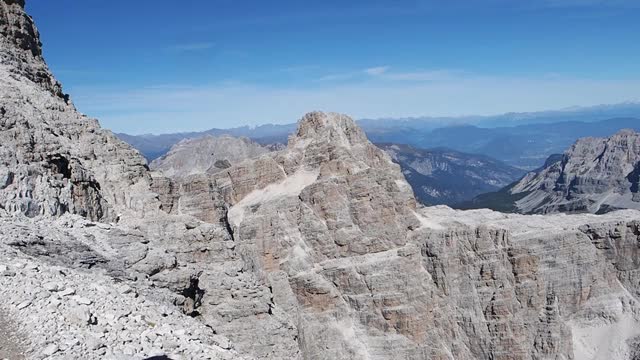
(594, 175)
(21, 49)
(207, 154)
(314, 252)
(626, 132)
(53, 160)
(329, 127)
(335, 145)
(19, 2)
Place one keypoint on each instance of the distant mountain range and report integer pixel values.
(437, 176)
(522, 140)
(595, 175)
(582, 114)
(206, 154)
(463, 166)
(155, 146)
(443, 176)
(524, 146)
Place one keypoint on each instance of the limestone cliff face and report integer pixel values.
(317, 251)
(21, 49)
(330, 195)
(55, 160)
(595, 175)
(332, 229)
(546, 289)
(208, 154)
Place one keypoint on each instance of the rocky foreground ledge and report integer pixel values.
(317, 251)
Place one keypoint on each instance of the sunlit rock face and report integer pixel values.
(595, 175)
(55, 160)
(21, 50)
(207, 154)
(363, 273)
(316, 251)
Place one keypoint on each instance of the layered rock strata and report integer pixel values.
(596, 175)
(317, 251)
(207, 154)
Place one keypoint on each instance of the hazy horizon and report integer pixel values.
(224, 64)
(464, 119)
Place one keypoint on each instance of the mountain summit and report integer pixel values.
(206, 154)
(318, 251)
(595, 175)
(55, 160)
(21, 49)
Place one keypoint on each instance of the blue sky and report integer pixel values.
(164, 66)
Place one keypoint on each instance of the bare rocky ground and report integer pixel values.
(11, 346)
(317, 251)
(87, 313)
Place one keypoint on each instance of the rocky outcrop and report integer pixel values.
(59, 169)
(363, 273)
(53, 159)
(316, 251)
(331, 194)
(20, 47)
(559, 289)
(595, 175)
(68, 306)
(208, 154)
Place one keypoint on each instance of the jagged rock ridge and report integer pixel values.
(55, 160)
(318, 251)
(69, 284)
(207, 154)
(595, 175)
(21, 49)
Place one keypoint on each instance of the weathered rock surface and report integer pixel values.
(208, 154)
(21, 50)
(84, 306)
(366, 274)
(11, 346)
(317, 251)
(595, 175)
(54, 160)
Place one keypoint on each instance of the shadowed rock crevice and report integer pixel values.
(317, 251)
(193, 297)
(68, 253)
(634, 179)
(60, 165)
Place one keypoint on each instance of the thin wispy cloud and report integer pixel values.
(297, 69)
(180, 108)
(188, 47)
(375, 71)
(387, 73)
(353, 75)
(335, 77)
(429, 75)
